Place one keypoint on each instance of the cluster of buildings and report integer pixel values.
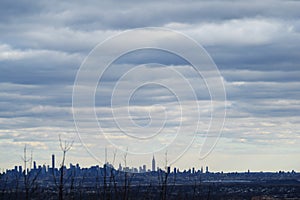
(95, 178)
(46, 173)
(43, 169)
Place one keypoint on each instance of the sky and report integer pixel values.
(255, 46)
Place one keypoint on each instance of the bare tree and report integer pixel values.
(163, 179)
(72, 178)
(65, 147)
(30, 178)
(105, 175)
(109, 183)
(127, 178)
(112, 177)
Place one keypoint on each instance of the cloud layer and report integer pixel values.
(254, 44)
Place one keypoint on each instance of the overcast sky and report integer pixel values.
(254, 44)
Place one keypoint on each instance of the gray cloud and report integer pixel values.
(254, 44)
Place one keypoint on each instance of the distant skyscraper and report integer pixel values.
(206, 169)
(153, 164)
(53, 161)
(34, 165)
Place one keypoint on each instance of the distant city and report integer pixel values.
(98, 182)
(46, 170)
(141, 169)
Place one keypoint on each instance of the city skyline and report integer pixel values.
(34, 165)
(56, 163)
(102, 181)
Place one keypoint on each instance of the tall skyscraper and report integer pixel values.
(34, 165)
(53, 161)
(153, 164)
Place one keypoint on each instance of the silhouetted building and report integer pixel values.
(153, 163)
(53, 161)
(34, 165)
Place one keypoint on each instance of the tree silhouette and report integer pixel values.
(29, 177)
(65, 147)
